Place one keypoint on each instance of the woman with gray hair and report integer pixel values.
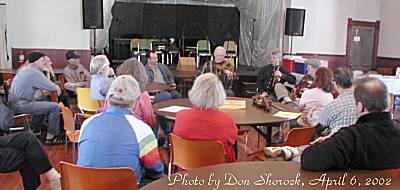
(116, 138)
(204, 121)
(100, 82)
(143, 109)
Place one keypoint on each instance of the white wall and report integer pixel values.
(325, 28)
(389, 40)
(50, 24)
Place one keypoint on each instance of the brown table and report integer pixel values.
(252, 115)
(8, 71)
(152, 87)
(254, 175)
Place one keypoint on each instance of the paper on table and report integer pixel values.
(234, 104)
(288, 115)
(173, 109)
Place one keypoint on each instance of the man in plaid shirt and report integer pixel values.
(341, 112)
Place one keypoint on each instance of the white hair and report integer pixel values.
(124, 91)
(207, 92)
(98, 64)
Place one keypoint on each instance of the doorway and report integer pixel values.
(362, 44)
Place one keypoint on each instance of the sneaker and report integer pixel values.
(277, 153)
(55, 140)
(55, 184)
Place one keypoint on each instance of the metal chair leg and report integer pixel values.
(245, 147)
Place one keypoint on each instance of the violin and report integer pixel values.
(228, 68)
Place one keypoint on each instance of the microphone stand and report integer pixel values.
(251, 47)
(118, 37)
(183, 41)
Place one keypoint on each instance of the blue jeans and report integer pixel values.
(38, 109)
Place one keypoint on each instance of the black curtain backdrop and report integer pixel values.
(162, 21)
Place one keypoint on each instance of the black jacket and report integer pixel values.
(371, 143)
(265, 77)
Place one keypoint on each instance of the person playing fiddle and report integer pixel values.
(222, 68)
(307, 82)
(271, 77)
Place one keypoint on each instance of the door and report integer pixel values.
(362, 48)
(362, 45)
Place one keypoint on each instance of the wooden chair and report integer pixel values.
(189, 154)
(81, 178)
(69, 127)
(391, 102)
(295, 138)
(85, 103)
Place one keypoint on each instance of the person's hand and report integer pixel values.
(46, 69)
(229, 74)
(310, 113)
(264, 94)
(278, 74)
(172, 86)
(319, 140)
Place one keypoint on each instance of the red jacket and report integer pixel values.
(200, 124)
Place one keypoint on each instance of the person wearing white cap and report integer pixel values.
(116, 138)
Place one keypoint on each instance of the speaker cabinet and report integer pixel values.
(92, 14)
(294, 25)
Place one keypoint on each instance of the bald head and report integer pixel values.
(372, 94)
(219, 54)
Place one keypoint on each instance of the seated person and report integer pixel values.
(116, 138)
(21, 96)
(143, 109)
(204, 121)
(340, 112)
(23, 152)
(48, 71)
(100, 81)
(307, 82)
(317, 97)
(321, 94)
(271, 77)
(160, 73)
(371, 143)
(75, 74)
(222, 68)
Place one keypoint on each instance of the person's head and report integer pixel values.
(136, 69)
(124, 91)
(100, 65)
(74, 59)
(323, 79)
(37, 59)
(219, 54)
(312, 66)
(371, 95)
(207, 92)
(343, 77)
(151, 57)
(274, 56)
(47, 61)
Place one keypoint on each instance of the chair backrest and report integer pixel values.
(85, 102)
(134, 44)
(300, 136)
(188, 154)
(230, 46)
(68, 117)
(186, 64)
(79, 178)
(203, 45)
(144, 44)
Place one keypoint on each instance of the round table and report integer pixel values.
(271, 175)
(252, 115)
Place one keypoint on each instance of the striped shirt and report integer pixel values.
(341, 112)
(116, 138)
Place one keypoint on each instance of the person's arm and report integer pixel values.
(335, 152)
(150, 157)
(302, 102)
(170, 77)
(287, 76)
(145, 110)
(39, 81)
(261, 77)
